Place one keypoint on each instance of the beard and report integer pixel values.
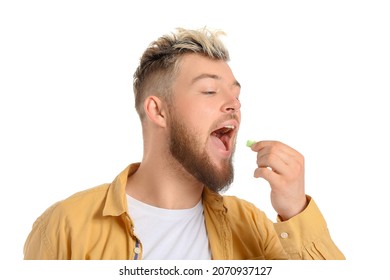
(186, 147)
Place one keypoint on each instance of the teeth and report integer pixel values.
(223, 130)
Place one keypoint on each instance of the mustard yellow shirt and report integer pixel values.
(95, 224)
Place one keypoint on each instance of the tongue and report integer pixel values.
(218, 142)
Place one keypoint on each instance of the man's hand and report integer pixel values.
(283, 168)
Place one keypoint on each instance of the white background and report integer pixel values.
(314, 74)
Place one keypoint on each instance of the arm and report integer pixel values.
(301, 227)
(306, 236)
(37, 245)
(47, 239)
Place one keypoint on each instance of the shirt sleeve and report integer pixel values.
(306, 236)
(37, 245)
(48, 237)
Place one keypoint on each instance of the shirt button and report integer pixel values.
(284, 235)
(137, 250)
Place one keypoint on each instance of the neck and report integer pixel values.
(162, 182)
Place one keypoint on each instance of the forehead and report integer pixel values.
(194, 67)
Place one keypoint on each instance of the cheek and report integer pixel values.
(202, 121)
(195, 114)
(205, 110)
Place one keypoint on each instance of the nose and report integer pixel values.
(232, 105)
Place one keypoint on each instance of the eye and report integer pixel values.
(209, 92)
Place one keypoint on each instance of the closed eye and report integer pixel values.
(209, 92)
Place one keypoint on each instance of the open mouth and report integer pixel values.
(222, 136)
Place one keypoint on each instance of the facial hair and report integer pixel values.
(187, 148)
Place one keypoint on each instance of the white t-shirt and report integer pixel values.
(170, 234)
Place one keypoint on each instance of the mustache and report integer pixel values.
(228, 117)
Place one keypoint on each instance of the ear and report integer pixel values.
(155, 110)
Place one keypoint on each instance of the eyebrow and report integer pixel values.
(212, 76)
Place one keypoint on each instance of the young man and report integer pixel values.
(169, 206)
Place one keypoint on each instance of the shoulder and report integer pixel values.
(86, 197)
(89, 196)
(238, 203)
(233, 206)
(248, 223)
(88, 200)
(51, 232)
(240, 209)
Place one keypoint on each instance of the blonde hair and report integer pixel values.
(159, 62)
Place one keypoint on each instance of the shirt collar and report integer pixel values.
(213, 200)
(116, 202)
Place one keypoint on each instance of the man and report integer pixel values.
(169, 206)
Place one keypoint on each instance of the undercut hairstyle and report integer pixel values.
(160, 61)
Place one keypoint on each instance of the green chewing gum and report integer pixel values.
(249, 143)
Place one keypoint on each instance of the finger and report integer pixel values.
(267, 174)
(273, 161)
(287, 154)
(274, 145)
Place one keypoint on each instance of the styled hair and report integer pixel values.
(160, 61)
